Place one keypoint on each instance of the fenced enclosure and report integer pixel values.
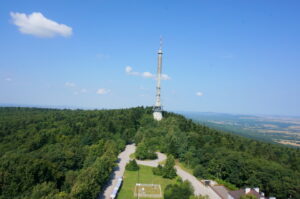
(148, 191)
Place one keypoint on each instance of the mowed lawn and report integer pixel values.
(146, 177)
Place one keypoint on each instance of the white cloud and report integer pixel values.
(70, 84)
(8, 79)
(38, 25)
(165, 77)
(129, 71)
(75, 89)
(199, 94)
(103, 91)
(148, 75)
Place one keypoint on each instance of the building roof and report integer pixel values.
(237, 194)
(221, 191)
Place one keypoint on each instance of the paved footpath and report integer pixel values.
(123, 159)
(199, 187)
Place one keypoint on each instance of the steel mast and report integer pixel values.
(157, 109)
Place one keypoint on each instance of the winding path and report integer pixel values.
(199, 187)
(123, 158)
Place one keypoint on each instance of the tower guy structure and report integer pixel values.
(157, 109)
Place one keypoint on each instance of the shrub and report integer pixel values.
(226, 184)
(178, 191)
(132, 166)
(158, 170)
(248, 196)
(166, 171)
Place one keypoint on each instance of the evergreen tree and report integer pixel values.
(168, 170)
(132, 166)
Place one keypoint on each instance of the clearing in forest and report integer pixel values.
(147, 191)
(143, 176)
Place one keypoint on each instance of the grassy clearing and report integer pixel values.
(145, 177)
(148, 190)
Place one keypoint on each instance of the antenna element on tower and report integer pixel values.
(157, 109)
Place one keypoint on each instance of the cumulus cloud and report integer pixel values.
(199, 94)
(8, 79)
(75, 89)
(38, 25)
(165, 77)
(148, 75)
(129, 71)
(70, 84)
(103, 91)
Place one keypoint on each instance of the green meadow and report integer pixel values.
(144, 176)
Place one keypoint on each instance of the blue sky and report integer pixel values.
(239, 56)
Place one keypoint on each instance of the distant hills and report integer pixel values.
(278, 129)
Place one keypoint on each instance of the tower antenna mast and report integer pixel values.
(160, 42)
(157, 109)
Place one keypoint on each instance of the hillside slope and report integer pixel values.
(46, 153)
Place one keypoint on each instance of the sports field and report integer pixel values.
(148, 191)
(145, 177)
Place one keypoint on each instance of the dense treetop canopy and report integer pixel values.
(48, 153)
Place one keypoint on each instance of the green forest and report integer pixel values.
(69, 154)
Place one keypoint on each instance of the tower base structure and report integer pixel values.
(157, 115)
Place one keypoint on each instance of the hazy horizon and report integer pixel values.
(174, 111)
